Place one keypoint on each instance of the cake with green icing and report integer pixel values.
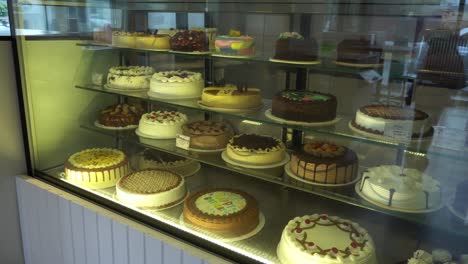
(304, 106)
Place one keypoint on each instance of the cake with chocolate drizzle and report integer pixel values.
(155, 159)
(255, 149)
(121, 115)
(324, 162)
(207, 135)
(231, 97)
(189, 41)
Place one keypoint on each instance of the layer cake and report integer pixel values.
(358, 51)
(235, 44)
(292, 46)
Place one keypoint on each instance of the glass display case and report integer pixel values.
(261, 131)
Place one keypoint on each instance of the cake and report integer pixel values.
(120, 115)
(324, 239)
(177, 83)
(235, 44)
(292, 46)
(231, 97)
(304, 106)
(153, 41)
(125, 39)
(374, 118)
(153, 159)
(460, 203)
(324, 162)
(151, 188)
(207, 135)
(96, 168)
(394, 187)
(225, 212)
(189, 41)
(129, 77)
(103, 35)
(421, 257)
(161, 124)
(358, 51)
(255, 149)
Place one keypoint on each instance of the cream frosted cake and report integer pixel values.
(255, 149)
(324, 239)
(96, 168)
(151, 188)
(208, 135)
(129, 77)
(374, 118)
(153, 159)
(177, 83)
(162, 124)
(408, 189)
(125, 39)
(231, 97)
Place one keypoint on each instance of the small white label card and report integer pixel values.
(371, 76)
(182, 141)
(399, 132)
(450, 138)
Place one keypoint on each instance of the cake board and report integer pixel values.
(227, 159)
(171, 97)
(358, 65)
(191, 52)
(234, 56)
(396, 209)
(290, 173)
(155, 209)
(143, 135)
(296, 62)
(129, 127)
(229, 110)
(256, 230)
(280, 120)
(383, 138)
(126, 90)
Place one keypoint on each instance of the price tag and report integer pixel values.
(371, 76)
(399, 132)
(182, 141)
(450, 138)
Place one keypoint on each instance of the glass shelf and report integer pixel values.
(340, 129)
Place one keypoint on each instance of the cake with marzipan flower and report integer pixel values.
(324, 239)
(226, 212)
(324, 162)
(304, 106)
(207, 134)
(96, 168)
(151, 188)
(255, 149)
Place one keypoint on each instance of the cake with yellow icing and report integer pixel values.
(255, 149)
(125, 39)
(231, 97)
(154, 41)
(96, 168)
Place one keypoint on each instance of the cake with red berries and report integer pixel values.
(161, 124)
(189, 41)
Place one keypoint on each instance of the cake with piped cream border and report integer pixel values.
(177, 83)
(162, 124)
(255, 149)
(129, 77)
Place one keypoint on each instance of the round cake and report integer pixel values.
(189, 41)
(231, 97)
(207, 135)
(153, 159)
(177, 83)
(153, 41)
(324, 162)
(408, 189)
(162, 124)
(120, 115)
(125, 39)
(225, 212)
(320, 239)
(373, 119)
(96, 168)
(293, 47)
(255, 149)
(358, 51)
(129, 77)
(304, 106)
(151, 188)
(235, 44)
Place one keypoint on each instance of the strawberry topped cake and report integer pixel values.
(161, 124)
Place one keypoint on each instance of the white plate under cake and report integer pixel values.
(161, 124)
(185, 84)
(255, 149)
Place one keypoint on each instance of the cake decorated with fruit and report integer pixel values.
(320, 239)
(374, 118)
(177, 83)
(96, 168)
(235, 44)
(304, 106)
(229, 96)
(324, 162)
(121, 115)
(255, 149)
(129, 77)
(190, 41)
(225, 212)
(154, 159)
(161, 124)
(292, 46)
(151, 188)
(208, 135)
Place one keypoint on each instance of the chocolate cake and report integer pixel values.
(304, 106)
(189, 41)
(358, 51)
(121, 115)
(293, 47)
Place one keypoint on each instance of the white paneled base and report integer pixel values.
(61, 228)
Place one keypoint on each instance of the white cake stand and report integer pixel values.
(296, 62)
(230, 110)
(171, 97)
(291, 174)
(129, 127)
(143, 135)
(280, 120)
(227, 159)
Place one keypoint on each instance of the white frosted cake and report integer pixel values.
(409, 189)
(96, 168)
(255, 149)
(129, 77)
(324, 239)
(177, 83)
(153, 159)
(162, 124)
(151, 188)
